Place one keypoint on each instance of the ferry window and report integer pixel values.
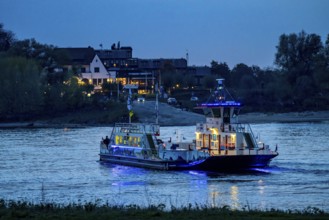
(216, 112)
(226, 115)
(207, 112)
(135, 141)
(235, 112)
(226, 112)
(214, 137)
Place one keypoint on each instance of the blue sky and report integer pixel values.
(232, 31)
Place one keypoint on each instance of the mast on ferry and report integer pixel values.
(129, 100)
(156, 105)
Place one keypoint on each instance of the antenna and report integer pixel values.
(220, 89)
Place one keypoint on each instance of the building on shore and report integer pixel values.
(118, 65)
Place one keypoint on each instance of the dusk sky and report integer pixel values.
(232, 31)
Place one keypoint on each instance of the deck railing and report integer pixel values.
(137, 128)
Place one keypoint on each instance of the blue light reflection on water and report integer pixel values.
(61, 165)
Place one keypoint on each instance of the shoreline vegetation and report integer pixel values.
(26, 210)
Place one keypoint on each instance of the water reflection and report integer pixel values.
(214, 195)
(261, 187)
(234, 197)
(262, 194)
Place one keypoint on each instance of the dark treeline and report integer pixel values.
(300, 81)
(32, 83)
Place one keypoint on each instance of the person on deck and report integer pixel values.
(106, 141)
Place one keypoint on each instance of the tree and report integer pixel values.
(240, 69)
(63, 95)
(110, 89)
(277, 93)
(238, 72)
(6, 39)
(297, 54)
(209, 82)
(301, 58)
(20, 82)
(72, 94)
(321, 77)
(45, 55)
(53, 98)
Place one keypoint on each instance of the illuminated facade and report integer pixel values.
(84, 63)
(117, 65)
(97, 74)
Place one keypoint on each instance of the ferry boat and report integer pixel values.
(231, 145)
(221, 143)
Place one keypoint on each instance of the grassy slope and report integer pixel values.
(22, 210)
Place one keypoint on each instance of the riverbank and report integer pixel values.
(284, 117)
(171, 116)
(24, 210)
(168, 116)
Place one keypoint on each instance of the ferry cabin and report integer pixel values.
(222, 134)
(132, 139)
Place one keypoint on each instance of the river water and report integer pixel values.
(61, 165)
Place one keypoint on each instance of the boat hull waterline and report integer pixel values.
(212, 163)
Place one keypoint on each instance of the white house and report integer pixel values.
(87, 65)
(97, 74)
